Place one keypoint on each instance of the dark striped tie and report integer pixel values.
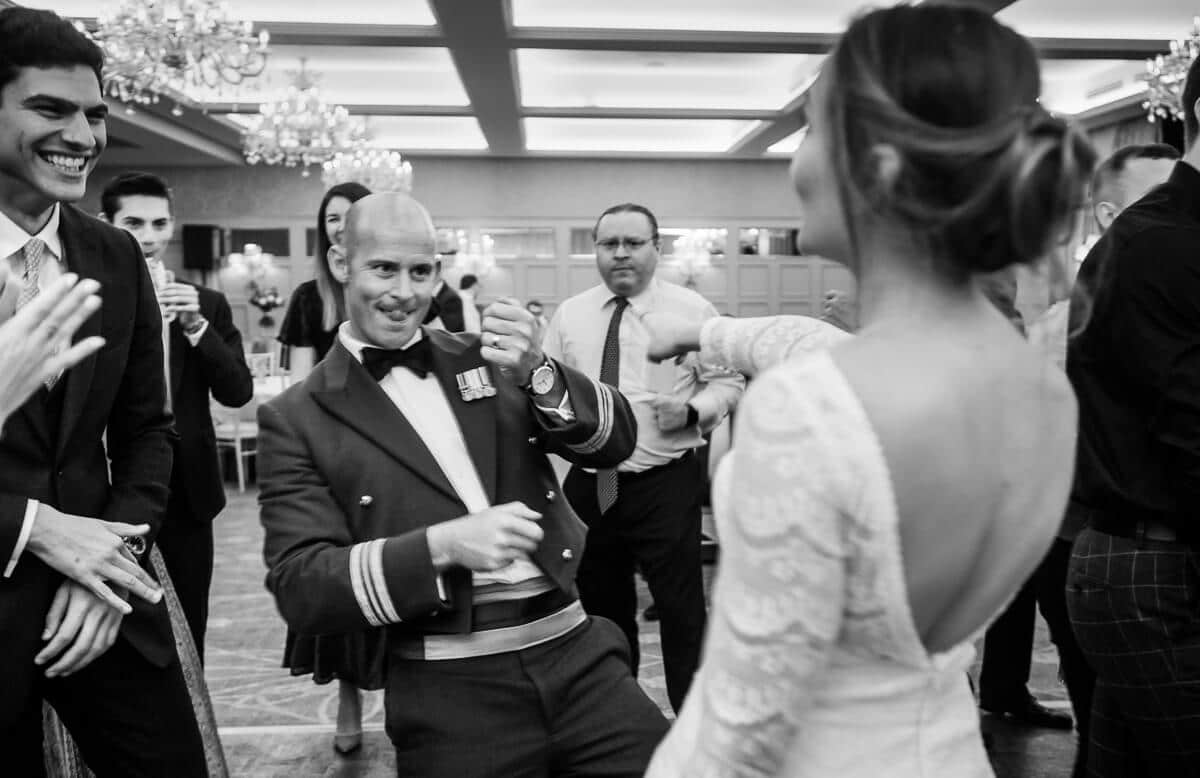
(610, 373)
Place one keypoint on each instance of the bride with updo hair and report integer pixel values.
(888, 492)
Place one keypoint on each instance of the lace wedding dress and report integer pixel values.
(813, 666)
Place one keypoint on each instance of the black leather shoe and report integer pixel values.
(1032, 713)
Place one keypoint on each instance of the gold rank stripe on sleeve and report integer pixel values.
(369, 585)
(604, 421)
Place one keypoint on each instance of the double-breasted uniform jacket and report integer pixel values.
(54, 451)
(347, 488)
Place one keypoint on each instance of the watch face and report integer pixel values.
(542, 380)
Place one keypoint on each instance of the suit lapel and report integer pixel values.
(85, 257)
(353, 397)
(478, 418)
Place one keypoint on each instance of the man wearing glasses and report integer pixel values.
(645, 513)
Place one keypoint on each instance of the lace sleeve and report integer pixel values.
(750, 346)
(777, 606)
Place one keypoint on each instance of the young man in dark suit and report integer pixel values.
(405, 483)
(203, 354)
(112, 675)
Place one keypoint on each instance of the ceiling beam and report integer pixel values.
(1098, 48)
(768, 133)
(591, 112)
(566, 112)
(326, 34)
(193, 131)
(476, 32)
(357, 109)
(708, 41)
(991, 6)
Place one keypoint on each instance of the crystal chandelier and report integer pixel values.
(1166, 75)
(300, 129)
(380, 170)
(156, 47)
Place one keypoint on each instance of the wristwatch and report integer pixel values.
(541, 380)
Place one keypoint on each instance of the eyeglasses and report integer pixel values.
(612, 244)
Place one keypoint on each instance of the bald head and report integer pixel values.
(393, 219)
(391, 268)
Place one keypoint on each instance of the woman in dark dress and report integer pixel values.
(316, 308)
(309, 329)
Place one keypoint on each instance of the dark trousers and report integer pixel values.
(654, 526)
(187, 549)
(1008, 645)
(1133, 604)
(568, 707)
(129, 718)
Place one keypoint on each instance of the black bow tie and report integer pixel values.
(418, 358)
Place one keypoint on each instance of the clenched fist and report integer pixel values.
(488, 540)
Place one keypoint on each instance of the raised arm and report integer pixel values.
(746, 346)
(750, 346)
(778, 601)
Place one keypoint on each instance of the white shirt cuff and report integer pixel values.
(31, 509)
(565, 412)
(195, 339)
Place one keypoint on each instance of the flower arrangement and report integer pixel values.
(265, 301)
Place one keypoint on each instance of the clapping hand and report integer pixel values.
(30, 341)
(670, 413)
(92, 553)
(511, 339)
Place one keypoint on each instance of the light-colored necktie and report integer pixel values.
(34, 252)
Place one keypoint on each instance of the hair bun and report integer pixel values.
(989, 177)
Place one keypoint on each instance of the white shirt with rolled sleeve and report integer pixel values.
(576, 337)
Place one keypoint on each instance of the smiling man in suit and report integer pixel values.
(203, 355)
(85, 462)
(404, 484)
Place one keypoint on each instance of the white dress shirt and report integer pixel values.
(12, 244)
(426, 408)
(576, 336)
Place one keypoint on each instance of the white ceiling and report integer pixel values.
(1118, 19)
(618, 79)
(743, 15)
(702, 77)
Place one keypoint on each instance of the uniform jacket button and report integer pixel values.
(533, 440)
(366, 500)
(551, 495)
(568, 554)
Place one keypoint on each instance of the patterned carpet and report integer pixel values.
(275, 726)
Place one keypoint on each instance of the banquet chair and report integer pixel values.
(234, 432)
